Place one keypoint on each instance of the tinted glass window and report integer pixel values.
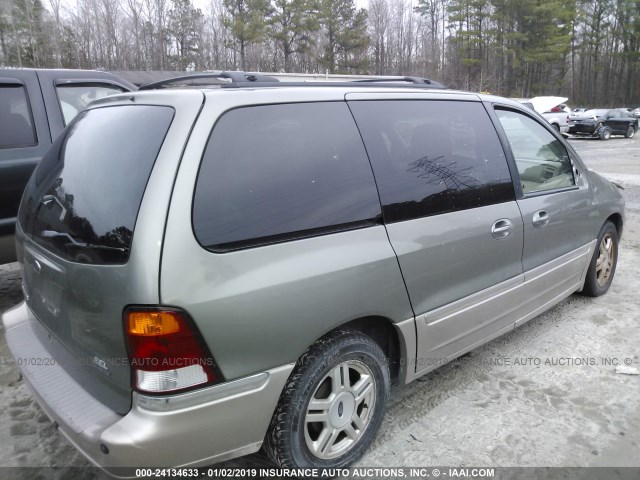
(543, 162)
(83, 200)
(432, 157)
(15, 118)
(276, 172)
(76, 96)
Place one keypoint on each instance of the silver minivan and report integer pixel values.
(212, 271)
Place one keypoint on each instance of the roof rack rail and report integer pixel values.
(248, 80)
(223, 77)
(406, 79)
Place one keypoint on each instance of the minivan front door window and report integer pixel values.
(543, 162)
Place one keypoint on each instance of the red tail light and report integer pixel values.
(166, 351)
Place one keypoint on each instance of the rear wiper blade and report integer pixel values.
(75, 243)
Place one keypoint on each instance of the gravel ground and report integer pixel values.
(545, 395)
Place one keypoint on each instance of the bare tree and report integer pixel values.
(379, 20)
(585, 49)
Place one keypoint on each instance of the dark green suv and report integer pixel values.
(35, 106)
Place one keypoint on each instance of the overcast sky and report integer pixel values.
(204, 4)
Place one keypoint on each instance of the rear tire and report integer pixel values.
(603, 264)
(630, 132)
(332, 405)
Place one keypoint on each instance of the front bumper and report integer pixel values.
(190, 429)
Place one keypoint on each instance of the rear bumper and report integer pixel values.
(190, 429)
(582, 129)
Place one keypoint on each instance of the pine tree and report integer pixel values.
(345, 36)
(293, 23)
(185, 27)
(247, 23)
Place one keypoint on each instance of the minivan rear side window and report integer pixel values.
(83, 199)
(272, 173)
(15, 117)
(432, 157)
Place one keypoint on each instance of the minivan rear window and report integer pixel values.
(83, 199)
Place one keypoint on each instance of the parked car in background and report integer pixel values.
(560, 108)
(626, 111)
(35, 106)
(212, 272)
(603, 123)
(636, 112)
(576, 112)
(545, 105)
(558, 120)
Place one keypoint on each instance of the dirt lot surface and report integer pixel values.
(546, 394)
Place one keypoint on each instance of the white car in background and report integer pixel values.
(544, 104)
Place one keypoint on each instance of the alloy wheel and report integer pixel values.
(340, 410)
(606, 259)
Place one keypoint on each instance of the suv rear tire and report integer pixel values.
(630, 132)
(332, 405)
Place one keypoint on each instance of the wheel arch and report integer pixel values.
(616, 219)
(381, 330)
(397, 343)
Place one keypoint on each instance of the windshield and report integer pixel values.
(82, 201)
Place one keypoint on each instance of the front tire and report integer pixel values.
(603, 264)
(604, 133)
(333, 403)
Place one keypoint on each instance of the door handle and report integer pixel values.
(501, 228)
(540, 218)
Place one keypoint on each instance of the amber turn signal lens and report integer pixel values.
(152, 324)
